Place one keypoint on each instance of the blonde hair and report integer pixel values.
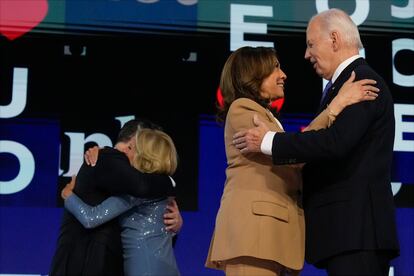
(156, 152)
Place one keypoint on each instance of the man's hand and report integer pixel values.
(250, 140)
(91, 156)
(68, 189)
(172, 217)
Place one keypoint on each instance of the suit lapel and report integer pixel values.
(274, 121)
(271, 120)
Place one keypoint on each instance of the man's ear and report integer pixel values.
(335, 37)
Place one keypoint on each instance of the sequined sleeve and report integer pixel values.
(93, 216)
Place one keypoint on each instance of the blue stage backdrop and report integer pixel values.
(29, 225)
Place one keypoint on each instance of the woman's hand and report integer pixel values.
(91, 156)
(172, 217)
(353, 92)
(68, 189)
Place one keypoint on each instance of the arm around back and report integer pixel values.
(356, 123)
(93, 216)
(115, 175)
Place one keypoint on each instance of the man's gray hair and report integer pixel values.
(338, 20)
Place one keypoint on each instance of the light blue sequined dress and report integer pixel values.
(147, 246)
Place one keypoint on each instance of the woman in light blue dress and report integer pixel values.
(147, 246)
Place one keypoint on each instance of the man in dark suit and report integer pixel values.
(349, 207)
(98, 251)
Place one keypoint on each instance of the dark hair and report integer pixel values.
(243, 74)
(131, 127)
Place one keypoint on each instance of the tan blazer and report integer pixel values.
(260, 213)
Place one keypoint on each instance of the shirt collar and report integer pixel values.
(342, 66)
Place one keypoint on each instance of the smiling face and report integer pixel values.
(272, 87)
(320, 50)
(253, 73)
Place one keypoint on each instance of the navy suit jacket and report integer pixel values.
(347, 193)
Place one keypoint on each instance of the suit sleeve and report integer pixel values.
(93, 216)
(116, 176)
(331, 143)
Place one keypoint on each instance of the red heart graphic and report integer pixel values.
(18, 17)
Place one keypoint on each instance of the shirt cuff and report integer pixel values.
(267, 143)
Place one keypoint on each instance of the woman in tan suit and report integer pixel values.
(260, 225)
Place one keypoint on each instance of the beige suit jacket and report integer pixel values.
(260, 214)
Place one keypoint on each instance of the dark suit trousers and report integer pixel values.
(361, 263)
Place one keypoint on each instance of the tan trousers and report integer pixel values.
(250, 266)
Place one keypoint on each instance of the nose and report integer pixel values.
(307, 54)
(283, 75)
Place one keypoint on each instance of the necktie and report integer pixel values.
(325, 91)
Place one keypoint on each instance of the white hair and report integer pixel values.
(337, 20)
